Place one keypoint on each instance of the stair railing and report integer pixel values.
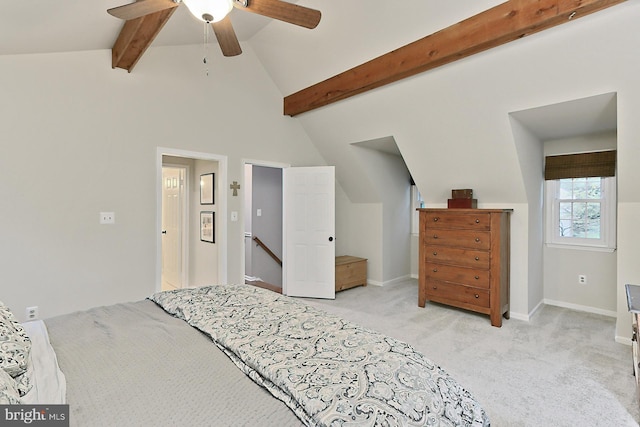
(267, 250)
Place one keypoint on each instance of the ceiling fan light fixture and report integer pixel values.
(209, 10)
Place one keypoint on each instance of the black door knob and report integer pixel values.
(331, 239)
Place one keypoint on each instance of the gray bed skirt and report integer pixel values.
(135, 365)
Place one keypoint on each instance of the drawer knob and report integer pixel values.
(435, 219)
(477, 221)
(477, 277)
(435, 287)
(477, 296)
(435, 270)
(435, 236)
(477, 239)
(435, 254)
(477, 258)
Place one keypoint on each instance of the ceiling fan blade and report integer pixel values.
(283, 11)
(226, 36)
(141, 8)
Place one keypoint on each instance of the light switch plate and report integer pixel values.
(234, 216)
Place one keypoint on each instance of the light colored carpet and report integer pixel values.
(563, 368)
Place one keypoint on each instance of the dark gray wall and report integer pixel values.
(267, 196)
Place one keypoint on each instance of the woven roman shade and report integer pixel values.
(599, 163)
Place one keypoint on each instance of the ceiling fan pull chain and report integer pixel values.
(204, 47)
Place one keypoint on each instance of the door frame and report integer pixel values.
(243, 208)
(184, 224)
(221, 208)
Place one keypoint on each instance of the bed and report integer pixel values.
(229, 355)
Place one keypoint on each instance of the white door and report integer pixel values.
(172, 217)
(309, 232)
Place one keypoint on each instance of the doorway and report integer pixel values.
(298, 203)
(263, 226)
(174, 210)
(193, 261)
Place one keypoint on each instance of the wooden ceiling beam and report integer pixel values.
(135, 37)
(501, 24)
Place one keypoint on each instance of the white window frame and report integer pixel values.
(416, 202)
(607, 241)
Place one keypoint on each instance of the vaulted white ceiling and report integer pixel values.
(45, 26)
(571, 118)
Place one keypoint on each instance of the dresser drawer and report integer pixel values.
(463, 275)
(460, 238)
(450, 293)
(473, 221)
(455, 256)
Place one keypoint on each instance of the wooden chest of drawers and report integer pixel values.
(351, 271)
(633, 303)
(464, 259)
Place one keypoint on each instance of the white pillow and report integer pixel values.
(15, 344)
(47, 383)
(8, 391)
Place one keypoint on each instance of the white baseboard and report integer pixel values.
(519, 316)
(527, 317)
(389, 282)
(578, 307)
(623, 340)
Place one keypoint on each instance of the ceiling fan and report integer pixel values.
(216, 12)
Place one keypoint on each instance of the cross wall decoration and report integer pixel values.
(235, 187)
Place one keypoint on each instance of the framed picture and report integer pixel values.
(206, 189)
(207, 227)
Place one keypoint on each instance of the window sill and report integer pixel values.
(581, 247)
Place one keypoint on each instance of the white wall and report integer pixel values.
(79, 137)
(360, 234)
(203, 256)
(248, 208)
(390, 178)
(452, 123)
(530, 158)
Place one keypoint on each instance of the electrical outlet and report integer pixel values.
(582, 279)
(32, 313)
(107, 218)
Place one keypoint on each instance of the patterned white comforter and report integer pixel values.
(330, 372)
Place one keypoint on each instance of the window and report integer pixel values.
(581, 212)
(416, 202)
(581, 200)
